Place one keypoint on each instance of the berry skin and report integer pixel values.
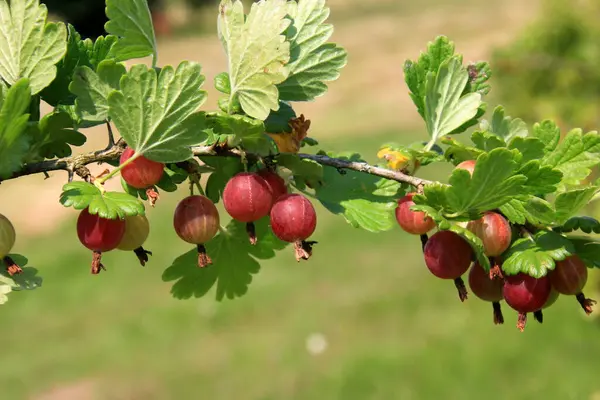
(447, 255)
(413, 222)
(482, 286)
(7, 236)
(99, 234)
(196, 219)
(468, 165)
(141, 173)
(247, 197)
(526, 294)
(494, 231)
(276, 183)
(137, 229)
(569, 276)
(293, 218)
(552, 299)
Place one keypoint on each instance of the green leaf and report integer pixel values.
(575, 156)
(165, 128)
(29, 47)
(532, 209)
(235, 260)
(239, 130)
(582, 223)
(313, 61)
(475, 243)
(531, 148)
(540, 179)
(479, 75)
(548, 133)
(365, 201)
(494, 183)
(131, 21)
(568, 204)
(257, 53)
(100, 49)
(307, 171)
(225, 168)
(92, 89)
(456, 152)
(505, 127)
(486, 141)
(54, 135)
(536, 256)
(279, 121)
(222, 83)
(58, 91)
(416, 72)
(14, 143)
(587, 249)
(445, 107)
(109, 205)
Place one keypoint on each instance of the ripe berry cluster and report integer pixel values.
(247, 197)
(449, 256)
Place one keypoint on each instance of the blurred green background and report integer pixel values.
(363, 319)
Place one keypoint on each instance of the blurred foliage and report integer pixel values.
(551, 70)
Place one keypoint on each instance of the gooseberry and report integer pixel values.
(137, 229)
(275, 182)
(468, 165)
(413, 222)
(526, 294)
(99, 235)
(293, 220)
(140, 173)
(196, 221)
(569, 277)
(494, 231)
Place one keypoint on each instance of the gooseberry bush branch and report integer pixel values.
(509, 213)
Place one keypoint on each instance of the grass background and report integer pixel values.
(392, 330)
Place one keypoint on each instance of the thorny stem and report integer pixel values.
(462, 289)
(111, 136)
(72, 163)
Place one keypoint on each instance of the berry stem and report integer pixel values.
(251, 229)
(498, 317)
(522, 321)
(495, 270)
(153, 196)
(142, 255)
(97, 263)
(303, 249)
(424, 239)
(11, 266)
(203, 259)
(462, 289)
(100, 181)
(538, 316)
(586, 304)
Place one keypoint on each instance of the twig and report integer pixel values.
(74, 163)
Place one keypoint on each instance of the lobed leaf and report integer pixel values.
(587, 249)
(29, 47)
(304, 171)
(535, 256)
(257, 53)
(567, 204)
(530, 209)
(54, 135)
(241, 131)
(92, 89)
(505, 127)
(109, 205)
(131, 21)
(582, 223)
(313, 62)
(157, 115)
(14, 142)
(365, 201)
(235, 260)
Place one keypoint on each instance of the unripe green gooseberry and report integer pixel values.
(7, 236)
(137, 229)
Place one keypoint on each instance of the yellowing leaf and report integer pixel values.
(291, 142)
